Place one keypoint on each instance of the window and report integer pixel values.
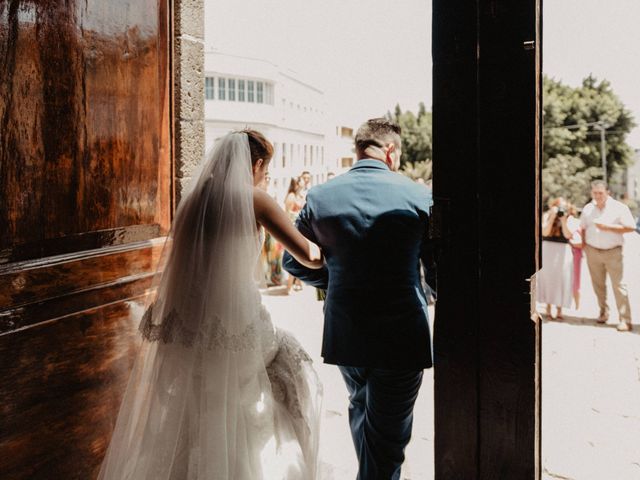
(284, 155)
(232, 89)
(209, 88)
(260, 95)
(241, 90)
(347, 162)
(250, 91)
(222, 89)
(311, 155)
(269, 93)
(346, 132)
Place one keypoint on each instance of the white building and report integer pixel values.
(243, 92)
(633, 180)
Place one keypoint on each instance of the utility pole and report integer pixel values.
(602, 126)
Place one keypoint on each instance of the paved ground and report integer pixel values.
(590, 385)
(301, 314)
(591, 388)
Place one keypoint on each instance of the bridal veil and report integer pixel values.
(199, 404)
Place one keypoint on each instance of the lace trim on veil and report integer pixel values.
(172, 330)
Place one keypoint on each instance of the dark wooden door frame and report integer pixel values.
(486, 144)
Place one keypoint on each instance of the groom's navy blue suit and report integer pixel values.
(372, 225)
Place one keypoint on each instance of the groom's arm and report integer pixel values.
(317, 278)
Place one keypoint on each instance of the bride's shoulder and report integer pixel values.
(262, 200)
(259, 195)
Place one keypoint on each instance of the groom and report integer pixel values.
(371, 224)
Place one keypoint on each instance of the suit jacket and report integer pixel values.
(371, 224)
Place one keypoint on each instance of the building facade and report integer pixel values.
(633, 182)
(245, 92)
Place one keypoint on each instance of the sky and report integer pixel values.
(598, 37)
(365, 55)
(369, 55)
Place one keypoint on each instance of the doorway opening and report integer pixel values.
(319, 73)
(589, 288)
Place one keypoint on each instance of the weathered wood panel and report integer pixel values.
(62, 286)
(84, 140)
(64, 276)
(77, 243)
(85, 193)
(486, 129)
(61, 388)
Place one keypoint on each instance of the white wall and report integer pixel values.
(296, 122)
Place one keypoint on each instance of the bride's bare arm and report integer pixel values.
(276, 221)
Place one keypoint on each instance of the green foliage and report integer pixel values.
(416, 141)
(417, 170)
(566, 176)
(571, 156)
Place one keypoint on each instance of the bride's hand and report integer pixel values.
(315, 254)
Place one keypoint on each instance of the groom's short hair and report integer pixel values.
(377, 132)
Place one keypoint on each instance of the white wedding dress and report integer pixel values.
(217, 392)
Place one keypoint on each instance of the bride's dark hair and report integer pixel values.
(259, 146)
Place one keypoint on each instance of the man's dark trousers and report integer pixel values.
(380, 416)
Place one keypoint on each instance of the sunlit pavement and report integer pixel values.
(301, 314)
(591, 387)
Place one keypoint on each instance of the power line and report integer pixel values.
(575, 126)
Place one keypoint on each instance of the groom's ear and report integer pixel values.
(388, 157)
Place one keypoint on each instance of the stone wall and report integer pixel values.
(188, 66)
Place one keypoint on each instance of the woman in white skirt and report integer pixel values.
(555, 279)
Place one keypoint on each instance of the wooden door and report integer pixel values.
(486, 127)
(85, 197)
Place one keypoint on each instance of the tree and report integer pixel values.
(571, 153)
(415, 161)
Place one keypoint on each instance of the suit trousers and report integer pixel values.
(381, 416)
(601, 262)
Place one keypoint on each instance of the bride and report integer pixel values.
(218, 392)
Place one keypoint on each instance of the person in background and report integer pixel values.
(271, 254)
(293, 203)
(604, 221)
(306, 179)
(294, 199)
(573, 222)
(554, 284)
